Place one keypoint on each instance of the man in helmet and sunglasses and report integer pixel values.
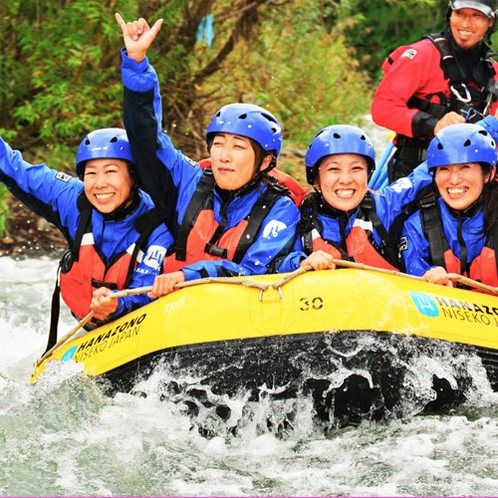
(443, 79)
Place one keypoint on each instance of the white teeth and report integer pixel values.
(345, 193)
(456, 191)
(102, 197)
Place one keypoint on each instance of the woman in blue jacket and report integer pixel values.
(342, 218)
(456, 229)
(115, 237)
(229, 219)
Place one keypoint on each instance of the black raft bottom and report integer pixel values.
(348, 376)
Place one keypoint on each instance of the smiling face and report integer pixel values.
(107, 183)
(343, 180)
(461, 184)
(468, 27)
(233, 160)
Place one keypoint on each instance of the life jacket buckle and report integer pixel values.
(214, 250)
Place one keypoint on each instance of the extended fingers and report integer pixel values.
(134, 29)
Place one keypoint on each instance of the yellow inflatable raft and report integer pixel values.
(348, 337)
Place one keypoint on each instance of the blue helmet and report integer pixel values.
(250, 121)
(338, 139)
(461, 143)
(111, 143)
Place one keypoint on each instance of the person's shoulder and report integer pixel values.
(63, 177)
(62, 184)
(419, 52)
(284, 198)
(419, 49)
(146, 201)
(413, 222)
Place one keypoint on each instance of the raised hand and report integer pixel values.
(138, 36)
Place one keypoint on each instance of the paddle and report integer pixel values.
(452, 276)
(379, 178)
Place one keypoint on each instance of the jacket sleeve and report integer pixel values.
(395, 202)
(48, 193)
(291, 261)
(415, 73)
(275, 240)
(415, 247)
(162, 168)
(146, 271)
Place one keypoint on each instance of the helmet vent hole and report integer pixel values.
(336, 135)
(440, 146)
(269, 118)
(467, 143)
(113, 140)
(243, 116)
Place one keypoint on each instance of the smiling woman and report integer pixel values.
(115, 240)
(108, 184)
(342, 219)
(455, 231)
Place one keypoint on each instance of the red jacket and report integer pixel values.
(416, 73)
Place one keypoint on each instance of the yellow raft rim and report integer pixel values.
(315, 302)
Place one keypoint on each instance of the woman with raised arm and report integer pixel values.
(116, 239)
(229, 219)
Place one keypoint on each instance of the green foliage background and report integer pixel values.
(311, 62)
